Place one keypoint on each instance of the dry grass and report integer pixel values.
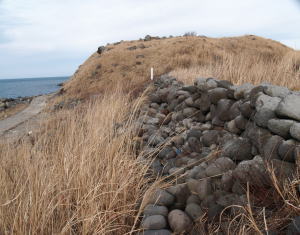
(81, 176)
(280, 205)
(239, 59)
(244, 68)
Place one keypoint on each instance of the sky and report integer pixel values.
(44, 38)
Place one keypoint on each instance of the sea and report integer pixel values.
(21, 87)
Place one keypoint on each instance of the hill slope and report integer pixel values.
(81, 173)
(239, 59)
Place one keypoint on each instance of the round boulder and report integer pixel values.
(161, 197)
(286, 150)
(210, 137)
(154, 222)
(194, 211)
(287, 107)
(155, 210)
(240, 122)
(295, 131)
(246, 109)
(179, 221)
(263, 115)
(202, 187)
(216, 94)
(280, 126)
(238, 149)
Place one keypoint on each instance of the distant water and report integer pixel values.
(13, 88)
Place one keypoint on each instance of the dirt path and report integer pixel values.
(19, 122)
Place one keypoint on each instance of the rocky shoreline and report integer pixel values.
(7, 103)
(215, 139)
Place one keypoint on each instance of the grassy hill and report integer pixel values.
(127, 64)
(78, 175)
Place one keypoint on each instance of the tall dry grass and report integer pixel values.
(239, 59)
(81, 175)
(248, 68)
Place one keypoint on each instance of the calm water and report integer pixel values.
(12, 88)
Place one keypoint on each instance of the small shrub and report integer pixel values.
(191, 33)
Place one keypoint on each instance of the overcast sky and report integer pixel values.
(53, 37)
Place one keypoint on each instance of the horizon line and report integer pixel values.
(34, 77)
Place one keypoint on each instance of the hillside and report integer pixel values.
(88, 168)
(127, 64)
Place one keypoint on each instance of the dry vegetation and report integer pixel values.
(239, 59)
(80, 174)
(243, 68)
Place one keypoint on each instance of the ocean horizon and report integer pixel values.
(23, 87)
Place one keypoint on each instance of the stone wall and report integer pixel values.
(212, 138)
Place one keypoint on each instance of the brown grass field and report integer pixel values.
(81, 175)
(239, 59)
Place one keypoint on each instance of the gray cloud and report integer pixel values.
(55, 28)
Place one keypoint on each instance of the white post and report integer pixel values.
(152, 73)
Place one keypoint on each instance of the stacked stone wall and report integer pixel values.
(213, 138)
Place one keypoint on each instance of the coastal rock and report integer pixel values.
(240, 122)
(193, 199)
(161, 197)
(195, 144)
(258, 136)
(231, 127)
(246, 109)
(207, 146)
(227, 181)
(267, 102)
(242, 91)
(295, 131)
(156, 232)
(179, 221)
(270, 149)
(223, 109)
(276, 91)
(194, 211)
(155, 210)
(100, 50)
(252, 171)
(214, 211)
(263, 115)
(210, 137)
(237, 149)
(200, 187)
(216, 94)
(234, 110)
(154, 222)
(205, 84)
(180, 191)
(286, 150)
(289, 107)
(167, 153)
(280, 127)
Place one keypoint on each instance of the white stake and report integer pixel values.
(152, 73)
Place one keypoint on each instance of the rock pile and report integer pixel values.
(213, 137)
(10, 102)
